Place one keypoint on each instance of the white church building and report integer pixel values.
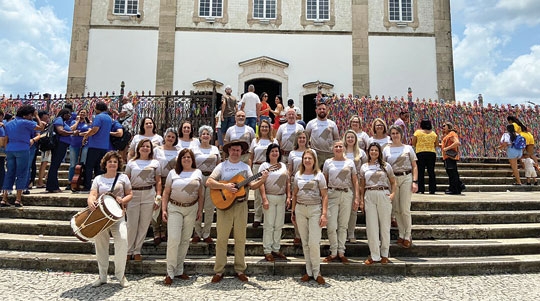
(287, 47)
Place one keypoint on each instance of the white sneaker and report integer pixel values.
(98, 282)
(124, 282)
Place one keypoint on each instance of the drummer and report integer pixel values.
(111, 163)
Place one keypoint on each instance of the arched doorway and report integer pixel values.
(309, 107)
(270, 86)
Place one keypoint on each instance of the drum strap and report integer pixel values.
(114, 182)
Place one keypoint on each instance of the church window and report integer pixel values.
(400, 10)
(126, 7)
(318, 9)
(211, 8)
(264, 9)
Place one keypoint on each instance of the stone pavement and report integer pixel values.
(44, 285)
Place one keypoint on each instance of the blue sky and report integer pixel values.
(496, 48)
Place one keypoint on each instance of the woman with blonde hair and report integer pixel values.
(301, 144)
(257, 152)
(309, 212)
(359, 157)
(355, 124)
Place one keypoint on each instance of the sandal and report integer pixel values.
(4, 204)
(18, 204)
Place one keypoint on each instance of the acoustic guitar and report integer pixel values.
(224, 199)
(77, 182)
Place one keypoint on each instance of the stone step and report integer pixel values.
(419, 217)
(457, 231)
(294, 266)
(254, 247)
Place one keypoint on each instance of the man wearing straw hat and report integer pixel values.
(235, 217)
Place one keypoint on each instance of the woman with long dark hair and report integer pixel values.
(278, 114)
(512, 153)
(377, 189)
(522, 130)
(147, 130)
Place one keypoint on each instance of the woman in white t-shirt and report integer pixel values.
(340, 174)
(111, 163)
(380, 133)
(257, 152)
(144, 172)
(377, 189)
(185, 136)
(182, 205)
(309, 212)
(147, 130)
(166, 155)
(403, 159)
(275, 194)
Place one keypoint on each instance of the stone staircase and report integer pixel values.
(493, 231)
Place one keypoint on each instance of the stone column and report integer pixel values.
(78, 57)
(360, 51)
(443, 44)
(166, 43)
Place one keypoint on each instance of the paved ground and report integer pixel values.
(43, 285)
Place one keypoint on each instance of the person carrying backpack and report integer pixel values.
(514, 145)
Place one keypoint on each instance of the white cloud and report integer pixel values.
(35, 54)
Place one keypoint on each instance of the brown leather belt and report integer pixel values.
(182, 204)
(377, 188)
(206, 173)
(339, 189)
(402, 173)
(142, 188)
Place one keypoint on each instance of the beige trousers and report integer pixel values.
(119, 233)
(378, 217)
(307, 218)
(139, 217)
(180, 226)
(339, 213)
(274, 219)
(401, 206)
(234, 218)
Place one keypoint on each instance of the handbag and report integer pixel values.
(451, 153)
(49, 140)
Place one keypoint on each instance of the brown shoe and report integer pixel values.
(344, 259)
(183, 276)
(329, 258)
(297, 241)
(406, 244)
(157, 241)
(370, 261)
(393, 223)
(305, 278)
(256, 224)
(269, 257)
(129, 257)
(195, 239)
(242, 277)
(168, 280)
(209, 240)
(399, 242)
(279, 255)
(320, 280)
(384, 260)
(137, 257)
(217, 278)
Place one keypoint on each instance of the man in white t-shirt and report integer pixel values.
(251, 104)
(321, 133)
(235, 217)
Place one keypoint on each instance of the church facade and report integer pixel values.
(293, 48)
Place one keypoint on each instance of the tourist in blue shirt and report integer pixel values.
(63, 132)
(2, 150)
(82, 125)
(116, 131)
(20, 133)
(98, 143)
